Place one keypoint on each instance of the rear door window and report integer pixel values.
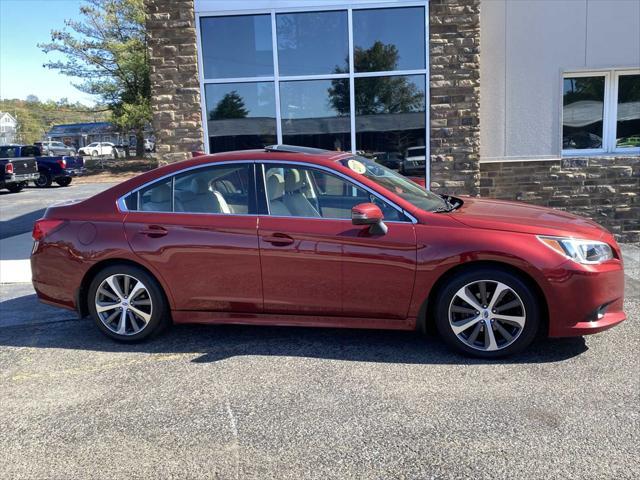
(218, 189)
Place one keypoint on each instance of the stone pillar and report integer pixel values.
(454, 39)
(175, 101)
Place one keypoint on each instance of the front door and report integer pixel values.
(316, 262)
(198, 229)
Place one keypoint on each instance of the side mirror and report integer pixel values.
(369, 214)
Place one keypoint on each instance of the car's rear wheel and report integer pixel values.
(487, 313)
(15, 187)
(127, 303)
(44, 180)
(64, 181)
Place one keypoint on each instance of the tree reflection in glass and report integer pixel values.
(240, 115)
(389, 110)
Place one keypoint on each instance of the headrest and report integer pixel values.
(161, 193)
(199, 185)
(292, 180)
(275, 186)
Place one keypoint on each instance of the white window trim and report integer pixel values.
(276, 78)
(609, 112)
(614, 111)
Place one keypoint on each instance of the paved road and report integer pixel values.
(18, 211)
(260, 402)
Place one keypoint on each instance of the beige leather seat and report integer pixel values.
(199, 199)
(275, 193)
(294, 199)
(159, 199)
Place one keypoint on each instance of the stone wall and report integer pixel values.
(175, 103)
(454, 39)
(605, 189)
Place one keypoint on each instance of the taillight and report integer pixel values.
(44, 227)
(62, 163)
(9, 168)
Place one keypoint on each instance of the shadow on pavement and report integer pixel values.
(21, 224)
(219, 342)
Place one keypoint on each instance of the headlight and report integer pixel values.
(582, 251)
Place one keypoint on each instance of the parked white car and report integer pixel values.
(98, 149)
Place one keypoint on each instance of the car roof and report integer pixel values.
(270, 153)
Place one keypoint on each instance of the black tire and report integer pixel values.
(94, 153)
(44, 180)
(15, 187)
(160, 316)
(64, 181)
(514, 282)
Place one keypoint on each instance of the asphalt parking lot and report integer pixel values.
(262, 402)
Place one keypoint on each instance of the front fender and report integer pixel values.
(442, 249)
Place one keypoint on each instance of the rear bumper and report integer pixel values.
(20, 177)
(585, 299)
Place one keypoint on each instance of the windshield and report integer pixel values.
(396, 183)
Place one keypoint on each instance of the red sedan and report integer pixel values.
(295, 236)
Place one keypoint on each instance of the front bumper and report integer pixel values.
(585, 299)
(74, 172)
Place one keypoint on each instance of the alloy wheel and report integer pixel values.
(123, 304)
(487, 315)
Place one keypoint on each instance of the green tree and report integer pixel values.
(107, 50)
(231, 106)
(375, 95)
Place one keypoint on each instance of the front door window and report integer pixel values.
(298, 191)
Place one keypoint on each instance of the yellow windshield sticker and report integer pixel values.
(357, 166)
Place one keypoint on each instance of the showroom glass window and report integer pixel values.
(351, 79)
(601, 112)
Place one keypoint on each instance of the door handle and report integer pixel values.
(279, 239)
(154, 231)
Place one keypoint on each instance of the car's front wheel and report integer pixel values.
(127, 303)
(487, 312)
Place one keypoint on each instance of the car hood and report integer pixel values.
(525, 218)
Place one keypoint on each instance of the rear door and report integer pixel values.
(202, 242)
(314, 261)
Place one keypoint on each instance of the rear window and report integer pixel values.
(8, 152)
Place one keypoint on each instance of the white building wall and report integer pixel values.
(526, 45)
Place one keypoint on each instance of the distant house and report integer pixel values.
(8, 128)
(82, 134)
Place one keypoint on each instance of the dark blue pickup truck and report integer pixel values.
(60, 169)
(17, 168)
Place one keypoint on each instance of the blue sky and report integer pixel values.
(23, 24)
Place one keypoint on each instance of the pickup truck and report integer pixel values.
(18, 166)
(59, 169)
